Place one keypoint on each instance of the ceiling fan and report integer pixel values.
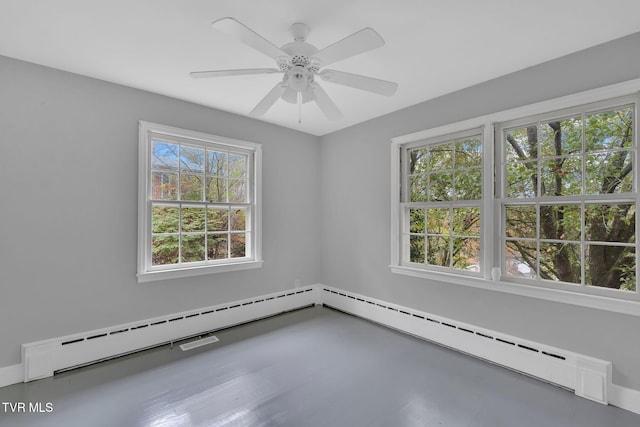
(300, 63)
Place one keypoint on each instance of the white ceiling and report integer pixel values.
(432, 47)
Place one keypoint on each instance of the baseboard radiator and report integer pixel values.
(43, 358)
(588, 377)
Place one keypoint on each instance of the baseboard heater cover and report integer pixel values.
(588, 377)
(43, 358)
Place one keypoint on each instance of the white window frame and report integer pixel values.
(146, 271)
(502, 201)
(406, 204)
(490, 278)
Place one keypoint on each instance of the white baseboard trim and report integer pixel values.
(11, 374)
(625, 398)
(589, 377)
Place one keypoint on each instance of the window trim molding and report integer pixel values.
(487, 282)
(145, 274)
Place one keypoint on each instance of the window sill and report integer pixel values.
(615, 305)
(150, 276)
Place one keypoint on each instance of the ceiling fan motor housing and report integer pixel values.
(300, 67)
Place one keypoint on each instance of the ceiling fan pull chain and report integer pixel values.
(299, 107)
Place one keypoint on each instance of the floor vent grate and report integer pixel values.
(199, 343)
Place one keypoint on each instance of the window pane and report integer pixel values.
(193, 248)
(237, 190)
(191, 159)
(610, 223)
(238, 219)
(439, 175)
(416, 249)
(468, 184)
(438, 221)
(164, 186)
(583, 155)
(438, 251)
(216, 163)
(522, 143)
(217, 219)
(164, 156)
(440, 187)
(192, 219)
(418, 161)
(468, 152)
(521, 221)
(521, 259)
(191, 187)
(440, 157)
(466, 254)
(418, 185)
(609, 130)
(466, 221)
(560, 222)
(217, 190)
(521, 179)
(237, 166)
(416, 220)
(238, 249)
(561, 137)
(165, 219)
(612, 267)
(609, 172)
(217, 246)
(562, 177)
(560, 262)
(164, 250)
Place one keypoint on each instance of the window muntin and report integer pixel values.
(569, 202)
(201, 207)
(442, 203)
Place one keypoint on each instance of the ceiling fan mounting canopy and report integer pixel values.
(300, 31)
(300, 62)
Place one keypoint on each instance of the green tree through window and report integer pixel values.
(569, 204)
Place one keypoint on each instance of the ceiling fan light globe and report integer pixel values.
(308, 95)
(290, 95)
(297, 83)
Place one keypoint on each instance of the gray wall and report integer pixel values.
(68, 218)
(355, 186)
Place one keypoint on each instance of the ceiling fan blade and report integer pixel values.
(357, 81)
(224, 73)
(325, 103)
(270, 99)
(357, 43)
(249, 37)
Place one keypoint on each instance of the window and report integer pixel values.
(550, 207)
(199, 206)
(441, 203)
(567, 199)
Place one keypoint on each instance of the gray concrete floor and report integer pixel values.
(313, 367)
